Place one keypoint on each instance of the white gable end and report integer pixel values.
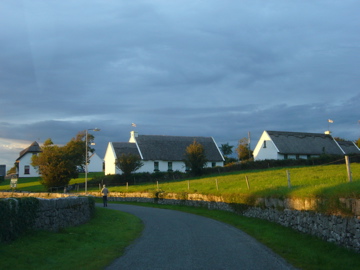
(265, 148)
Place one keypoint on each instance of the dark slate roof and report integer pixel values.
(349, 147)
(171, 148)
(33, 148)
(125, 148)
(161, 147)
(304, 143)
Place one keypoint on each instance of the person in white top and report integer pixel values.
(105, 193)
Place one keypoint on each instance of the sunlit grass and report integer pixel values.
(33, 183)
(312, 181)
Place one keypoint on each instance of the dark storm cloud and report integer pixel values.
(207, 68)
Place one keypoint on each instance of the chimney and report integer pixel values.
(133, 136)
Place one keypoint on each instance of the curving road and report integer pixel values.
(176, 240)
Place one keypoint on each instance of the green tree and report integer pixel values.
(12, 170)
(195, 157)
(243, 151)
(128, 163)
(226, 149)
(358, 142)
(57, 165)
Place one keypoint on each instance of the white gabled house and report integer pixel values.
(160, 152)
(25, 169)
(299, 145)
(96, 164)
(23, 162)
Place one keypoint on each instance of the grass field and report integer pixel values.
(91, 246)
(312, 181)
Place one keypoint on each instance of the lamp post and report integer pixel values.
(86, 154)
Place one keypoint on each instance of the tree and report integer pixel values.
(12, 170)
(195, 157)
(59, 164)
(226, 149)
(243, 150)
(128, 163)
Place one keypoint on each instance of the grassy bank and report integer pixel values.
(90, 246)
(313, 181)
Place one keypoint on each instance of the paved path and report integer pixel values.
(177, 240)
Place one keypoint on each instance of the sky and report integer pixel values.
(187, 68)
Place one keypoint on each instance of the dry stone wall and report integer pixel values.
(297, 214)
(57, 211)
(54, 214)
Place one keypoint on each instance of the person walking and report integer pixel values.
(105, 193)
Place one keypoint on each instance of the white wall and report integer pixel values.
(269, 152)
(109, 160)
(95, 164)
(24, 161)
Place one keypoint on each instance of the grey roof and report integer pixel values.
(171, 148)
(349, 147)
(125, 148)
(33, 148)
(304, 143)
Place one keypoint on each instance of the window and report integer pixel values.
(213, 164)
(286, 156)
(297, 156)
(170, 166)
(264, 145)
(156, 166)
(26, 169)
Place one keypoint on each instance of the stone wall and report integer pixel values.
(299, 214)
(57, 211)
(293, 213)
(55, 214)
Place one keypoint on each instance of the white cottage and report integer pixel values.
(159, 152)
(96, 164)
(299, 145)
(23, 162)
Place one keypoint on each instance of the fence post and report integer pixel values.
(247, 182)
(288, 178)
(348, 169)
(157, 185)
(217, 185)
(127, 185)
(188, 182)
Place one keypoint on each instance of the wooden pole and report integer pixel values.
(217, 185)
(157, 185)
(188, 182)
(348, 169)
(127, 186)
(247, 182)
(288, 178)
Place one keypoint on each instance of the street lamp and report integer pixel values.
(86, 154)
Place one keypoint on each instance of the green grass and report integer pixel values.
(311, 181)
(90, 246)
(33, 183)
(301, 250)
